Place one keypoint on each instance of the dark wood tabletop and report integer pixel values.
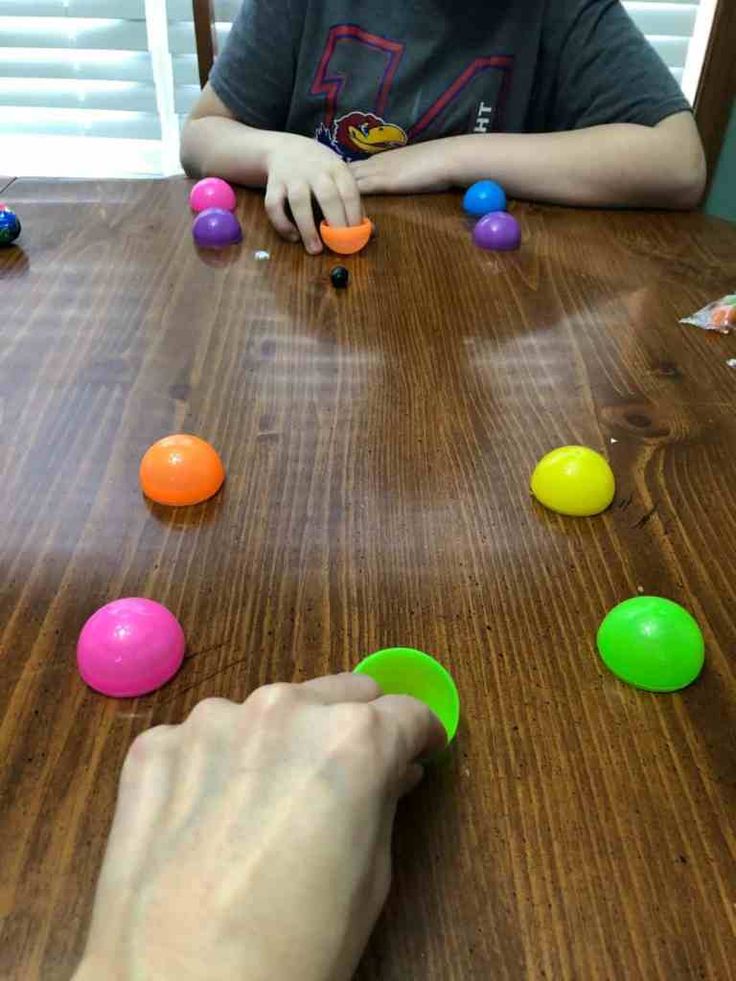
(378, 444)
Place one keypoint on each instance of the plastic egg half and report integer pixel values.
(574, 480)
(212, 192)
(181, 470)
(130, 647)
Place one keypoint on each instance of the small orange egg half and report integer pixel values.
(346, 240)
(180, 470)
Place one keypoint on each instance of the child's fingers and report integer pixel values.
(275, 201)
(300, 200)
(330, 201)
(348, 188)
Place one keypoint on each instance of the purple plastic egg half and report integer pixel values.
(215, 228)
(498, 231)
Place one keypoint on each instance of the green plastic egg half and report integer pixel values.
(652, 643)
(406, 671)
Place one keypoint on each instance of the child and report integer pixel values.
(326, 100)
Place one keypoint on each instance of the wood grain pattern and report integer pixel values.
(378, 443)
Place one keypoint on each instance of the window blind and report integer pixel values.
(667, 24)
(76, 68)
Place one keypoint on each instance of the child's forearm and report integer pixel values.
(216, 146)
(615, 165)
(618, 164)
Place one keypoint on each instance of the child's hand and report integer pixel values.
(300, 169)
(416, 169)
(254, 840)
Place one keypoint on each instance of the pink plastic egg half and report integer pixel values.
(130, 647)
(212, 192)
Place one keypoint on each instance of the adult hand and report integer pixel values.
(253, 840)
(300, 169)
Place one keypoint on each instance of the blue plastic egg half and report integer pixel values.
(483, 197)
(9, 227)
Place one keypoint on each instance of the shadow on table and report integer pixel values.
(14, 263)
(220, 258)
(425, 921)
(187, 517)
(713, 718)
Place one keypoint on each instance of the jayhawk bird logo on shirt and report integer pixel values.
(358, 135)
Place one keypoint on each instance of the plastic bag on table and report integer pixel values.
(719, 315)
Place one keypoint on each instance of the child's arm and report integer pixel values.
(620, 164)
(293, 169)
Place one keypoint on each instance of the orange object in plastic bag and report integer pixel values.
(719, 315)
(724, 316)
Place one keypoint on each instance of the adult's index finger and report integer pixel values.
(423, 734)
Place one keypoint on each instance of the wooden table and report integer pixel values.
(378, 444)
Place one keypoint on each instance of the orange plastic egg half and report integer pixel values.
(180, 470)
(346, 240)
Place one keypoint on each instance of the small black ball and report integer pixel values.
(339, 277)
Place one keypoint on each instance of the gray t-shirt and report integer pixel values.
(367, 75)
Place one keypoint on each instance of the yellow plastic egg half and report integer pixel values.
(574, 480)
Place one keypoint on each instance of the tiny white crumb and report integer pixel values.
(640, 589)
(731, 362)
(613, 440)
(261, 255)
